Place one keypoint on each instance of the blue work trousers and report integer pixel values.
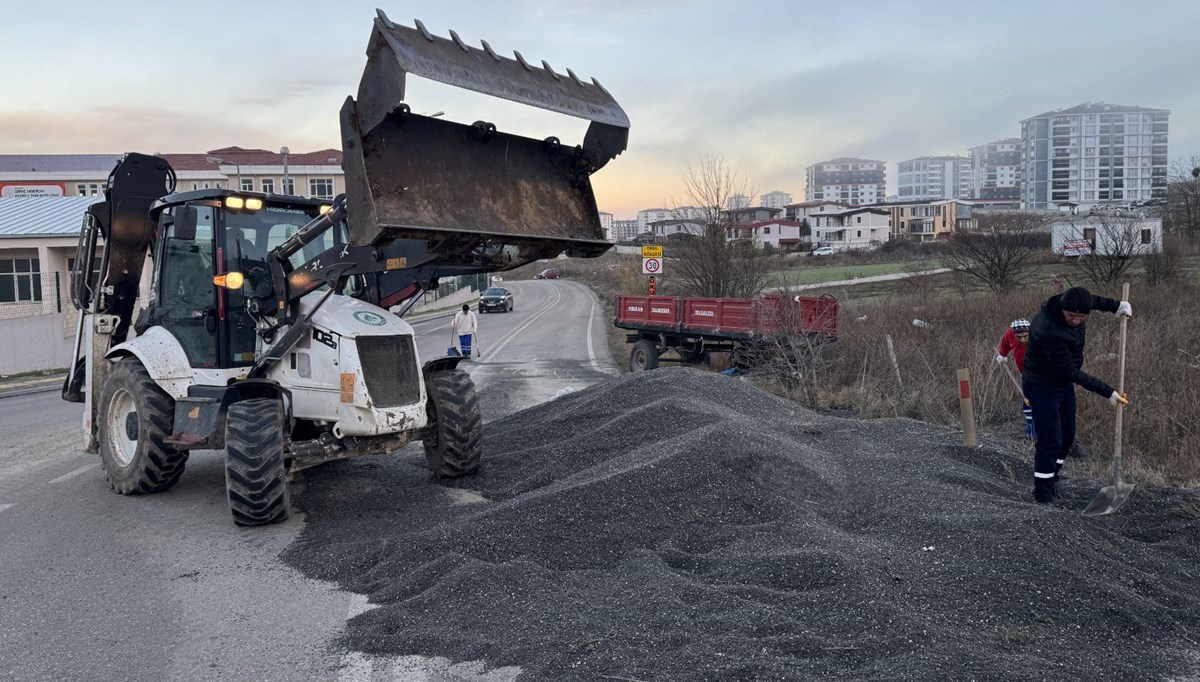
(1054, 422)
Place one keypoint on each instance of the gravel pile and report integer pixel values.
(682, 525)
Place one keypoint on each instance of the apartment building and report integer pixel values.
(737, 201)
(929, 220)
(1094, 153)
(847, 180)
(996, 171)
(802, 211)
(775, 199)
(785, 235)
(606, 224)
(852, 228)
(624, 230)
(935, 178)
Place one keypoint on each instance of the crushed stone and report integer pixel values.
(683, 525)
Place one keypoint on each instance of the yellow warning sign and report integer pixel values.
(652, 251)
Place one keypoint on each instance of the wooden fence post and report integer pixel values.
(966, 408)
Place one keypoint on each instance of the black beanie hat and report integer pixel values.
(1076, 300)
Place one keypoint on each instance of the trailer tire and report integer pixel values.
(643, 357)
(454, 437)
(255, 478)
(135, 417)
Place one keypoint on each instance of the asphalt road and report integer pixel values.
(97, 586)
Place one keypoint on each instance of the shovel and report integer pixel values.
(1112, 497)
(1013, 375)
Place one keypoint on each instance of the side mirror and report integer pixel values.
(185, 223)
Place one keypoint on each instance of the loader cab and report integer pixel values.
(205, 234)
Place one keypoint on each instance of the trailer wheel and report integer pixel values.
(255, 479)
(643, 357)
(454, 438)
(135, 417)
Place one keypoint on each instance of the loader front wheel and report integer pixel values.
(454, 437)
(643, 357)
(255, 479)
(135, 417)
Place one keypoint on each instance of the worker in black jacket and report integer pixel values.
(1053, 365)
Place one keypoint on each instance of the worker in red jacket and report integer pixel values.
(1013, 343)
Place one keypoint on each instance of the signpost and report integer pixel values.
(652, 265)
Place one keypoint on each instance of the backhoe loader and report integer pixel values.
(265, 328)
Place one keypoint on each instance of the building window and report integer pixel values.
(20, 280)
(87, 189)
(288, 187)
(766, 230)
(1146, 236)
(268, 185)
(320, 188)
(247, 184)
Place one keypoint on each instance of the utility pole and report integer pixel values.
(284, 151)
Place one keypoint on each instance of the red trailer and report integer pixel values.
(694, 327)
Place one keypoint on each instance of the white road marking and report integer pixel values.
(75, 473)
(595, 364)
(511, 335)
(6, 506)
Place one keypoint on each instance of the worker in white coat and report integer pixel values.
(465, 327)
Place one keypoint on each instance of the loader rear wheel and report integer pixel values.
(454, 440)
(135, 417)
(255, 479)
(643, 357)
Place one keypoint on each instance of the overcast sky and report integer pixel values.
(769, 86)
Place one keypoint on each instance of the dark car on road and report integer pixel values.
(548, 273)
(496, 299)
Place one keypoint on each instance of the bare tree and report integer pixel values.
(1163, 265)
(1001, 253)
(1116, 241)
(1181, 215)
(705, 261)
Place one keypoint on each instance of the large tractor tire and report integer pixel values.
(255, 479)
(643, 357)
(135, 418)
(454, 440)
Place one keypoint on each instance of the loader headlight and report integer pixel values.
(253, 203)
(230, 280)
(235, 203)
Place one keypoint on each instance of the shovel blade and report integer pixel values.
(1111, 498)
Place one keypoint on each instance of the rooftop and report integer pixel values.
(43, 216)
(1096, 108)
(847, 159)
(91, 163)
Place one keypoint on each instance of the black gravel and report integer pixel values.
(682, 525)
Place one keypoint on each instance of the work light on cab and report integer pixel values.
(230, 280)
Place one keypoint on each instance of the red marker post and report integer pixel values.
(966, 408)
(652, 282)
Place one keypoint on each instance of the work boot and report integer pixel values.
(1043, 490)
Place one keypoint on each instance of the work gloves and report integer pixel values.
(1125, 309)
(1117, 399)
(1000, 359)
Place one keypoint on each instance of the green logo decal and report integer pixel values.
(369, 318)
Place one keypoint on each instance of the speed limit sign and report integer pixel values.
(651, 266)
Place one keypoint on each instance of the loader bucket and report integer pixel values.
(472, 192)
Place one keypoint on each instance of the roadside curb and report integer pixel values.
(28, 387)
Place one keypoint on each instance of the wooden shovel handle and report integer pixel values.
(1120, 388)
